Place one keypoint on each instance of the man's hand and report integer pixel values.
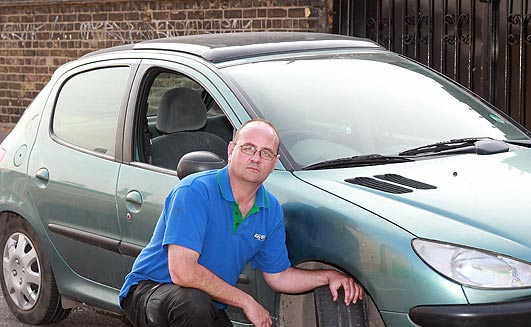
(257, 314)
(337, 280)
(297, 280)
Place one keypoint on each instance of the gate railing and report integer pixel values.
(481, 44)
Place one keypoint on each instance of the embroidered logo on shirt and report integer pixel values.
(259, 237)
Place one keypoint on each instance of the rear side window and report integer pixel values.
(87, 108)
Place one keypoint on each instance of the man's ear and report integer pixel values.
(230, 149)
(277, 158)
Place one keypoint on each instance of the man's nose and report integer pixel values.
(256, 156)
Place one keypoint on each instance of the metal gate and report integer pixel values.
(481, 44)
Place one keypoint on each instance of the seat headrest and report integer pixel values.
(181, 109)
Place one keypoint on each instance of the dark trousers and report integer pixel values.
(149, 304)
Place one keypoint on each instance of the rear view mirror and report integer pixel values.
(197, 161)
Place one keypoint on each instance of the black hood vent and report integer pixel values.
(388, 183)
(378, 185)
(406, 181)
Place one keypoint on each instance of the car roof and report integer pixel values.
(223, 47)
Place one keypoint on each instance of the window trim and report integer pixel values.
(147, 73)
(133, 68)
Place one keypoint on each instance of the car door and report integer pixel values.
(142, 185)
(75, 168)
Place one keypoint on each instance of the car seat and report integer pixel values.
(181, 115)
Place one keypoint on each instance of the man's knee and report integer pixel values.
(179, 306)
(195, 303)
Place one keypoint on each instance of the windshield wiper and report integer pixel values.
(524, 143)
(463, 145)
(356, 161)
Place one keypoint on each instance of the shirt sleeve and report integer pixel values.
(186, 218)
(273, 255)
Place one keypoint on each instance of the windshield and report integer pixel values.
(336, 106)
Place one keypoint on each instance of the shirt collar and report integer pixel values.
(226, 190)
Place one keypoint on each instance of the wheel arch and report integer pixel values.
(35, 224)
(298, 310)
(20, 204)
(45, 242)
(44, 299)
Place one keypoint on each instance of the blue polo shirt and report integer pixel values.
(201, 214)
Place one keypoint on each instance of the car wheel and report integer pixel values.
(330, 313)
(28, 283)
(316, 308)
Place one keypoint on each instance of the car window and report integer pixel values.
(362, 104)
(162, 83)
(178, 116)
(87, 108)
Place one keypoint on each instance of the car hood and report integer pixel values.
(481, 201)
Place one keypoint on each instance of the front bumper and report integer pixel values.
(505, 314)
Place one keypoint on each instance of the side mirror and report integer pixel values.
(197, 161)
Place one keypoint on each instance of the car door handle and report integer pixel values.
(42, 177)
(43, 174)
(134, 201)
(134, 197)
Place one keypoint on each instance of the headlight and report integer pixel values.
(474, 267)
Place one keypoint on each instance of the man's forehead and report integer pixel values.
(257, 127)
(253, 129)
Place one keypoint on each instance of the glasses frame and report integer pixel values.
(251, 150)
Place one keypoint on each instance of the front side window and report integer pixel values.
(162, 83)
(87, 108)
(177, 116)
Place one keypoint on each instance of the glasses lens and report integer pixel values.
(247, 149)
(267, 155)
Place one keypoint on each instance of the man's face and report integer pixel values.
(253, 168)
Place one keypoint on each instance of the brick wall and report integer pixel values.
(38, 36)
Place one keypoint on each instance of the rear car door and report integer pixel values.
(75, 166)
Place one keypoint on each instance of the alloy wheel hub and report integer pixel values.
(22, 271)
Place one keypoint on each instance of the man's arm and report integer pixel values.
(185, 271)
(295, 280)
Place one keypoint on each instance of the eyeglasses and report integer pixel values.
(251, 150)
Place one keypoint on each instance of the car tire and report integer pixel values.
(28, 283)
(333, 314)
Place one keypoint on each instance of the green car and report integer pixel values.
(388, 171)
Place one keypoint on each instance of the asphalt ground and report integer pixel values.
(80, 316)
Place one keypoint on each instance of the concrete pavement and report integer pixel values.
(81, 316)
